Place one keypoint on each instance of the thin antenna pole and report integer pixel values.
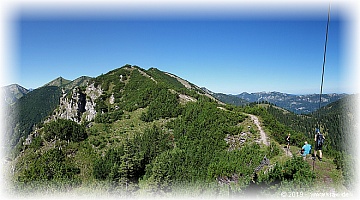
(323, 65)
(314, 163)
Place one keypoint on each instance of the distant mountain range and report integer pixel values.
(299, 104)
(67, 84)
(225, 98)
(13, 92)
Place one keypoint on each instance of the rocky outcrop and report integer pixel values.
(264, 162)
(92, 94)
(236, 141)
(112, 99)
(31, 137)
(228, 180)
(186, 98)
(78, 105)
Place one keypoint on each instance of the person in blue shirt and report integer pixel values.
(306, 150)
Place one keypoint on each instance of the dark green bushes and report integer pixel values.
(294, 170)
(36, 143)
(165, 104)
(165, 79)
(126, 164)
(114, 77)
(240, 162)
(109, 117)
(64, 130)
(346, 163)
(138, 92)
(199, 139)
(51, 166)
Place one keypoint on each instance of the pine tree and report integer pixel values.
(130, 163)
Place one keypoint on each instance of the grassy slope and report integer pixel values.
(105, 136)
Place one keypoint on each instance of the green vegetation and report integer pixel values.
(109, 117)
(64, 130)
(230, 99)
(113, 80)
(336, 127)
(165, 104)
(294, 170)
(52, 167)
(277, 129)
(143, 141)
(32, 109)
(138, 92)
(123, 166)
(165, 79)
(335, 121)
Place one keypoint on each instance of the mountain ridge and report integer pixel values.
(78, 100)
(58, 82)
(299, 104)
(68, 84)
(12, 93)
(143, 131)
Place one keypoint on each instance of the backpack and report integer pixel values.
(286, 139)
(320, 139)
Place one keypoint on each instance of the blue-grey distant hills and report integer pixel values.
(12, 93)
(299, 104)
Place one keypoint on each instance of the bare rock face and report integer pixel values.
(31, 137)
(69, 106)
(112, 99)
(79, 106)
(92, 93)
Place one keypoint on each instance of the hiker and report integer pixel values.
(305, 150)
(319, 141)
(288, 141)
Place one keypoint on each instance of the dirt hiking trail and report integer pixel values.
(263, 136)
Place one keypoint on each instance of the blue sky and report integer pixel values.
(224, 54)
